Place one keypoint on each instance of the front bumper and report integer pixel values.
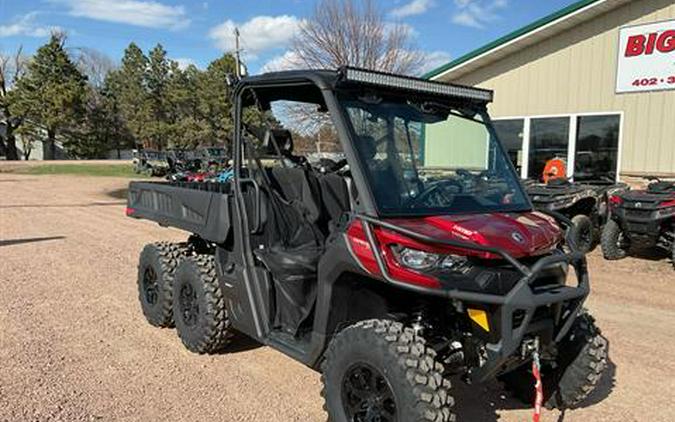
(514, 315)
(642, 225)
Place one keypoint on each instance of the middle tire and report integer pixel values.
(583, 233)
(198, 306)
(381, 370)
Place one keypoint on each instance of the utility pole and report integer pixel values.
(237, 51)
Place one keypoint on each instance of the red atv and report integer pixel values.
(416, 258)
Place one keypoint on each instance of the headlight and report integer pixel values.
(418, 260)
(456, 263)
(666, 212)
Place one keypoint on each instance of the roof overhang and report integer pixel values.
(533, 33)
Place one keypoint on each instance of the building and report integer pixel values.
(593, 84)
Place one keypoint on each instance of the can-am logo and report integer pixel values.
(647, 44)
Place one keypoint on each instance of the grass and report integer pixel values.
(108, 170)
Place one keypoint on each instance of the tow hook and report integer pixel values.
(531, 348)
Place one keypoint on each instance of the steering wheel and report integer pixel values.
(440, 187)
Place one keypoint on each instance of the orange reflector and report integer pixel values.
(480, 318)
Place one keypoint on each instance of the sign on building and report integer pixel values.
(646, 58)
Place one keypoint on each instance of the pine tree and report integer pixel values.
(52, 92)
(214, 95)
(127, 85)
(157, 81)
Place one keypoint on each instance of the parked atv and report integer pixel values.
(585, 203)
(641, 219)
(388, 271)
(149, 162)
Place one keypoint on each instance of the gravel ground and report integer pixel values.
(74, 345)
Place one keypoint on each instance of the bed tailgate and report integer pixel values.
(202, 212)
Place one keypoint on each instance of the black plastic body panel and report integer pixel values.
(205, 213)
(639, 218)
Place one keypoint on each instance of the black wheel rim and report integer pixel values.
(367, 395)
(150, 286)
(189, 306)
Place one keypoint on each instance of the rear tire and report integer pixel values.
(613, 241)
(581, 361)
(583, 233)
(199, 307)
(382, 367)
(156, 267)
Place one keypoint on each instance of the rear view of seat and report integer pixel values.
(334, 198)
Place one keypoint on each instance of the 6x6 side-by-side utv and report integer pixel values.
(641, 219)
(416, 258)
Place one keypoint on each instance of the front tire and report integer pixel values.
(582, 359)
(381, 370)
(199, 307)
(156, 267)
(583, 233)
(613, 241)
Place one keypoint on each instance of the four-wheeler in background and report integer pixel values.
(641, 219)
(585, 203)
(389, 271)
(149, 162)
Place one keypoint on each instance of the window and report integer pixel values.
(430, 158)
(549, 138)
(597, 147)
(510, 133)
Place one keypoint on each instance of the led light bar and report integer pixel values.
(350, 74)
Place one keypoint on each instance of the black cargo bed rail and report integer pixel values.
(199, 208)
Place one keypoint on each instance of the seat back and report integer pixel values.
(334, 197)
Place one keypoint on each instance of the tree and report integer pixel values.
(188, 128)
(95, 65)
(355, 33)
(101, 129)
(347, 33)
(157, 80)
(11, 69)
(128, 88)
(214, 101)
(52, 91)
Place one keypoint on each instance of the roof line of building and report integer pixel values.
(562, 13)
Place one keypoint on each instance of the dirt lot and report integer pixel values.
(74, 345)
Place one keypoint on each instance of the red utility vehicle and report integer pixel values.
(417, 258)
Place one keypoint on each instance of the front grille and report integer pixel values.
(641, 214)
(638, 227)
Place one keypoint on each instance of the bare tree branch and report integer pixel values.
(355, 33)
(352, 33)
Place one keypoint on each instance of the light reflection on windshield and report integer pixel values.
(429, 158)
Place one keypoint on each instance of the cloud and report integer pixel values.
(185, 62)
(433, 60)
(26, 26)
(287, 61)
(261, 33)
(414, 7)
(150, 14)
(477, 13)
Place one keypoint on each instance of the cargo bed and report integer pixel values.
(199, 208)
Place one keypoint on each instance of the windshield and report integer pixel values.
(429, 158)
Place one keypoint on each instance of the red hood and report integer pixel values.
(521, 235)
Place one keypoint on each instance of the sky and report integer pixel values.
(198, 31)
